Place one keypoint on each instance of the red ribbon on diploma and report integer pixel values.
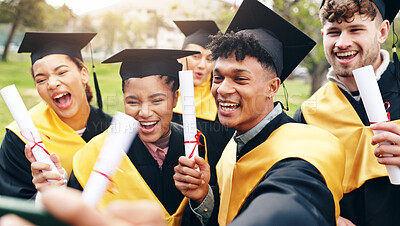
(36, 143)
(387, 112)
(197, 142)
(112, 189)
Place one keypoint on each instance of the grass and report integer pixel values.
(17, 72)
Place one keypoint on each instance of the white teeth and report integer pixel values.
(59, 95)
(148, 123)
(228, 105)
(345, 54)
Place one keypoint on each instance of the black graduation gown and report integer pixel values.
(15, 169)
(159, 179)
(292, 188)
(377, 201)
(217, 136)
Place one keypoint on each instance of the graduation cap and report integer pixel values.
(41, 44)
(139, 63)
(197, 31)
(284, 42)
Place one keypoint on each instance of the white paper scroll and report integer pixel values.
(235, 3)
(28, 129)
(374, 106)
(188, 113)
(122, 132)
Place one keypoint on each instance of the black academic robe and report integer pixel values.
(159, 179)
(217, 136)
(292, 188)
(377, 201)
(15, 169)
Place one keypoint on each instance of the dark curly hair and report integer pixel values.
(169, 80)
(242, 44)
(344, 10)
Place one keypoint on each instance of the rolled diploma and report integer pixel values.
(28, 129)
(373, 103)
(235, 3)
(188, 113)
(122, 131)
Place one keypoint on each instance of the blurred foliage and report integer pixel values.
(304, 15)
(32, 14)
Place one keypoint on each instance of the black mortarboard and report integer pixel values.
(387, 8)
(197, 31)
(139, 63)
(284, 42)
(41, 44)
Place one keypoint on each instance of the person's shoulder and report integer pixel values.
(176, 128)
(100, 114)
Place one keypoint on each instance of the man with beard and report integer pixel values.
(353, 31)
(273, 171)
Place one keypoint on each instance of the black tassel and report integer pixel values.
(285, 93)
(395, 57)
(98, 94)
(96, 83)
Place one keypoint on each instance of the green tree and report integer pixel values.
(156, 22)
(27, 13)
(304, 15)
(132, 32)
(86, 24)
(109, 29)
(56, 19)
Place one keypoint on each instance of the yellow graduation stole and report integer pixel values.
(204, 102)
(128, 182)
(58, 137)
(237, 180)
(329, 109)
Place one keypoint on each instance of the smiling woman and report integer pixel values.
(150, 84)
(65, 119)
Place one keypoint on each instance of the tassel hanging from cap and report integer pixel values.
(286, 95)
(96, 83)
(395, 57)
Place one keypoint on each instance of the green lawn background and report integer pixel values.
(17, 72)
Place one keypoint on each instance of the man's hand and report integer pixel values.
(191, 182)
(390, 135)
(344, 222)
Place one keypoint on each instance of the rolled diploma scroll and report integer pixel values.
(28, 129)
(122, 131)
(188, 113)
(373, 103)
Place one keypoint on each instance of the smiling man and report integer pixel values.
(353, 31)
(273, 171)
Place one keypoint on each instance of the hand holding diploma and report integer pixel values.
(122, 132)
(42, 176)
(191, 136)
(373, 103)
(192, 183)
(388, 152)
(28, 130)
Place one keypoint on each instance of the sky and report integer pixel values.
(82, 6)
